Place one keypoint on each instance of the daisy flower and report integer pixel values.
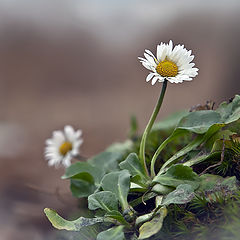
(63, 146)
(171, 63)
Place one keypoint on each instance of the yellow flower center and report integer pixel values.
(65, 148)
(167, 68)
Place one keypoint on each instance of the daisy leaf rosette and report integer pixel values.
(85, 177)
(173, 64)
(205, 124)
(63, 146)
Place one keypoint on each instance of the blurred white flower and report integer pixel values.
(63, 146)
(172, 64)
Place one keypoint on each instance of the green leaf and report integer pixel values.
(84, 171)
(81, 188)
(84, 178)
(170, 122)
(133, 165)
(178, 174)
(218, 145)
(105, 200)
(117, 216)
(144, 198)
(122, 148)
(152, 227)
(193, 144)
(119, 184)
(230, 183)
(144, 218)
(212, 130)
(107, 161)
(210, 182)
(115, 233)
(161, 189)
(230, 112)
(199, 121)
(76, 225)
(184, 193)
(136, 186)
(201, 158)
(180, 132)
(176, 133)
(224, 134)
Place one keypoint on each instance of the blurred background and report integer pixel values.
(75, 62)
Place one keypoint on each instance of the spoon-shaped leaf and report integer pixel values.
(75, 225)
(119, 184)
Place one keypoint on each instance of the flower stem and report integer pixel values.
(149, 127)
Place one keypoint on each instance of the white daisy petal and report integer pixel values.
(77, 144)
(58, 136)
(147, 66)
(149, 77)
(67, 160)
(173, 63)
(192, 72)
(151, 54)
(78, 133)
(141, 59)
(164, 53)
(159, 51)
(161, 79)
(170, 47)
(49, 142)
(154, 80)
(150, 59)
(188, 79)
(69, 132)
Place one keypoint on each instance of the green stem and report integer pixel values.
(200, 159)
(149, 127)
(160, 148)
(193, 144)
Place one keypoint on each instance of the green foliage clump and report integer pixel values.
(189, 191)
